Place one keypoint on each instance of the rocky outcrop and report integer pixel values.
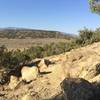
(41, 78)
(78, 89)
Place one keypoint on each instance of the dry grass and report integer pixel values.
(13, 44)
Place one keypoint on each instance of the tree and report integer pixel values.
(94, 6)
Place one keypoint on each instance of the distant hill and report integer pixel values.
(22, 33)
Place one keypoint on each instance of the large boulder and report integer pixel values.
(78, 89)
(29, 73)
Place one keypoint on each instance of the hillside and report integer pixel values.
(81, 67)
(21, 33)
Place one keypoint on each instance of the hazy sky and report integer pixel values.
(62, 15)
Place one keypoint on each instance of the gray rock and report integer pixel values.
(78, 89)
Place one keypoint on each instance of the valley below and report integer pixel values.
(21, 44)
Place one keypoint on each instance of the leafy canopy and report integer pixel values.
(94, 6)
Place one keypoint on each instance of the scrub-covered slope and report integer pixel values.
(41, 80)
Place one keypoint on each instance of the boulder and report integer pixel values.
(13, 82)
(78, 89)
(29, 73)
(43, 65)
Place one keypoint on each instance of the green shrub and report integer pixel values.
(10, 59)
(85, 35)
